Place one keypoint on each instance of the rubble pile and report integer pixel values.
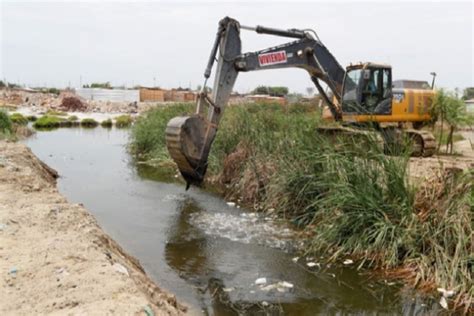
(72, 104)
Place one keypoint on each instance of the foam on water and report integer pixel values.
(245, 228)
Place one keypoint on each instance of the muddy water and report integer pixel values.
(195, 245)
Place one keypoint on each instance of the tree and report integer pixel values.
(272, 91)
(102, 85)
(448, 107)
(2, 84)
(468, 93)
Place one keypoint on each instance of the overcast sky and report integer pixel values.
(128, 43)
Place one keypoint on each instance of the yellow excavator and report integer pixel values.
(362, 95)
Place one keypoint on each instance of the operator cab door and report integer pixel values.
(367, 91)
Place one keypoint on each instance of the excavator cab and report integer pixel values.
(367, 90)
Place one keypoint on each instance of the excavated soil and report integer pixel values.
(55, 258)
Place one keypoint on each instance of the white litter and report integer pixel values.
(265, 304)
(228, 289)
(286, 284)
(348, 261)
(446, 293)
(312, 264)
(261, 281)
(443, 302)
(120, 268)
(295, 259)
(231, 203)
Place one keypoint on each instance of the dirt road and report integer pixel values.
(54, 257)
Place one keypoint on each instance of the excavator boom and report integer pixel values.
(189, 138)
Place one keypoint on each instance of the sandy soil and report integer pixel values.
(54, 257)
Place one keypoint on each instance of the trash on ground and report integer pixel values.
(446, 293)
(312, 264)
(348, 261)
(295, 259)
(443, 302)
(120, 268)
(148, 311)
(260, 281)
(231, 203)
(228, 289)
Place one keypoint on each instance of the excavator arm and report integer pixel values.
(189, 138)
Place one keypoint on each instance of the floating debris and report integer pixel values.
(348, 261)
(261, 281)
(285, 284)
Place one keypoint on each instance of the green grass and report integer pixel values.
(352, 200)
(6, 126)
(89, 122)
(31, 118)
(48, 122)
(18, 119)
(123, 121)
(106, 123)
(148, 131)
(73, 118)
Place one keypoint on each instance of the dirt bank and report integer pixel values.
(54, 257)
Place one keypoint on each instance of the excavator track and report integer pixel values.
(424, 143)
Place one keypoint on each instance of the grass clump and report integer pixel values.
(123, 121)
(89, 122)
(6, 126)
(18, 119)
(106, 123)
(73, 118)
(148, 133)
(48, 122)
(31, 118)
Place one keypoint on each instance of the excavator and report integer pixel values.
(361, 95)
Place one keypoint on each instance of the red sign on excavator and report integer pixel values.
(272, 58)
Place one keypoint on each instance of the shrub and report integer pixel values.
(123, 121)
(106, 123)
(18, 119)
(89, 122)
(31, 118)
(72, 118)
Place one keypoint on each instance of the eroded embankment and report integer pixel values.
(55, 258)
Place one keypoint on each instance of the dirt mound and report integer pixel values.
(55, 258)
(72, 104)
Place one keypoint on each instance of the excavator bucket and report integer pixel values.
(187, 139)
